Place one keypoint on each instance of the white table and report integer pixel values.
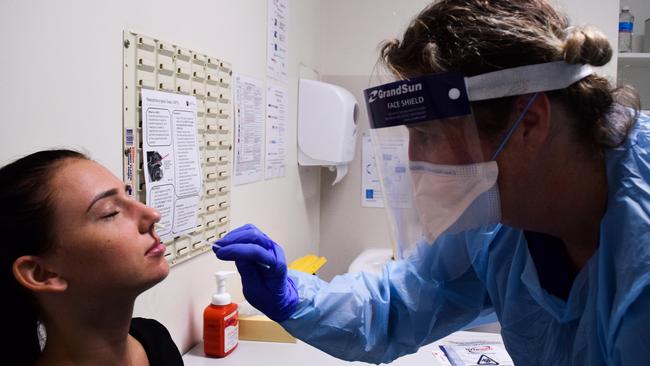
(250, 353)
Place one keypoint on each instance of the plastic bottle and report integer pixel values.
(625, 28)
(220, 321)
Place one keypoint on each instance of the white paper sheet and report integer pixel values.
(171, 164)
(249, 130)
(477, 353)
(371, 195)
(277, 43)
(276, 130)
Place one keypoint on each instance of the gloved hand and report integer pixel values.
(267, 289)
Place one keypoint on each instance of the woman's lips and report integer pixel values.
(156, 249)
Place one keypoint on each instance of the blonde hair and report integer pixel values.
(479, 36)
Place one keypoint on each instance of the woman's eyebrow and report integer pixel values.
(110, 192)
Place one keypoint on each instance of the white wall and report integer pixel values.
(61, 86)
(349, 47)
(350, 50)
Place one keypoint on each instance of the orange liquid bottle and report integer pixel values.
(220, 321)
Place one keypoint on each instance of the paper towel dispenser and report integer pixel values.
(327, 125)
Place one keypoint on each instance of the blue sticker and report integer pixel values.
(417, 100)
(369, 194)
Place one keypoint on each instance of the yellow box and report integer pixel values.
(261, 328)
(309, 264)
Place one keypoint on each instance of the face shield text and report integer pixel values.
(402, 89)
(405, 102)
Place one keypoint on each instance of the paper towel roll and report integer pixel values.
(341, 171)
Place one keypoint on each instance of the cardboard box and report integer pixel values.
(261, 328)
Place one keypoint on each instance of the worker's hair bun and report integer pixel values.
(586, 45)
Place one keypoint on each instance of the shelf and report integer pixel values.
(633, 59)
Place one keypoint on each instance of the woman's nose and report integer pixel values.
(148, 216)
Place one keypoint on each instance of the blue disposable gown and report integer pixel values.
(443, 288)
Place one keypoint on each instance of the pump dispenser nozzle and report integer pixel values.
(221, 297)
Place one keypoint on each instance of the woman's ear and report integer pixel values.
(536, 124)
(32, 272)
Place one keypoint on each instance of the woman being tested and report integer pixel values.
(530, 180)
(78, 251)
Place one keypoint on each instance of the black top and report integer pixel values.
(554, 269)
(156, 341)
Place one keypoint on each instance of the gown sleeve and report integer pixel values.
(632, 343)
(376, 319)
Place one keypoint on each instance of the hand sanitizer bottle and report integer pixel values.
(220, 321)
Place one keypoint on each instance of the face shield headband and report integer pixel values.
(448, 95)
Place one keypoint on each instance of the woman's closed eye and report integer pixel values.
(109, 215)
(108, 209)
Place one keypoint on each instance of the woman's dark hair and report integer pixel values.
(480, 36)
(26, 226)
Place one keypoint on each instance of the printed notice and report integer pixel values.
(171, 165)
(249, 130)
(394, 161)
(276, 129)
(276, 53)
(371, 195)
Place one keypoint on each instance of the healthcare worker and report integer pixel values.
(525, 188)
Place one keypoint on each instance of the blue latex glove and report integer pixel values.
(267, 289)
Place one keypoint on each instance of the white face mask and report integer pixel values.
(454, 198)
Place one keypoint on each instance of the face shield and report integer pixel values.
(436, 176)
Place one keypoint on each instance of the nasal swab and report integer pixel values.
(214, 245)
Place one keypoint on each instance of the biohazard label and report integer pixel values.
(485, 360)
